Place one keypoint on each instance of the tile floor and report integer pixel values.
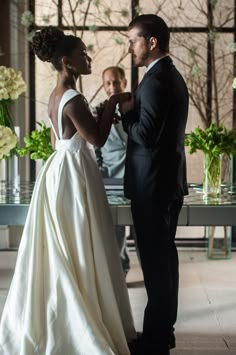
(207, 301)
(207, 304)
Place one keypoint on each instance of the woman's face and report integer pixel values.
(80, 62)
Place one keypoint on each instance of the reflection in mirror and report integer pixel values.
(113, 184)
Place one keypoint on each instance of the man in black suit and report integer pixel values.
(155, 176)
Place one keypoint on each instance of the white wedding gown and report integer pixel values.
(68, 294)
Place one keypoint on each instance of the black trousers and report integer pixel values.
(155, 224)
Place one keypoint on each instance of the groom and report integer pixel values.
(155, 176)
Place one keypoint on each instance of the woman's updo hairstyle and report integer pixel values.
(50, 44)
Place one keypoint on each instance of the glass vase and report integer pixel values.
(3, 174)
(10, 172)
(212, 176)
(219, 242)
(13, 170)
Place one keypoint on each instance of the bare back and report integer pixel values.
(77, 117)
(68, 127)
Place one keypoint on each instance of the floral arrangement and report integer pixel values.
(37, 143)
(8, 141)
(11, 83)
(11, 86)
(214, 140)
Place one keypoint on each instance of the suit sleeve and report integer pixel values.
(145, 125)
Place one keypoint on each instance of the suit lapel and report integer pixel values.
(160, 66)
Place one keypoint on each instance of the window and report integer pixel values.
(202, 46)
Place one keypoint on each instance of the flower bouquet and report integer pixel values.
(11, 86)
(8, 141)
(213, 142)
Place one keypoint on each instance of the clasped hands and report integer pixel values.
(125, 103)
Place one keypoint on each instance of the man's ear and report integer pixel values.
(153, 42)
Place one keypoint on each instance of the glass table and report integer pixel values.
(14, 204)
(196, 211)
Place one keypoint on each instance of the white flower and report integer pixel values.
(197, 70)
(11, 83)
(234, 83)
(8, 141)
(232, 47)
(4, 94)
(27, 18)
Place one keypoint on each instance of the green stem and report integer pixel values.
(212, 174)
(5, 116)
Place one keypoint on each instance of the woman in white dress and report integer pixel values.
(68, 294)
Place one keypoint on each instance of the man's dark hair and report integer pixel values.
(119, 70)
(152, 26)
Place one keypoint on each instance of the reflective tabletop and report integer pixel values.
(196, 211)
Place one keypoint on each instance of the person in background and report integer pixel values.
(155, 176)
(111, 157)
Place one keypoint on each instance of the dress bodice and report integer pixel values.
(76, 142)
(73, 144)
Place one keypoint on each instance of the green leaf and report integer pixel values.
(215, 140)
(37, 143)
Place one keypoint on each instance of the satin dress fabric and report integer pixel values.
(68, 294)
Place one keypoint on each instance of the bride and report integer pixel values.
(68, 294)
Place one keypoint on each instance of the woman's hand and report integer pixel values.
(119, 98)
(125, 100)
(127, 105)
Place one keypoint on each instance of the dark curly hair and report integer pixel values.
(50, 44)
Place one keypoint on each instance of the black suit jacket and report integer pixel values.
(155, 159)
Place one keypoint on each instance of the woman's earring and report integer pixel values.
(69, 66)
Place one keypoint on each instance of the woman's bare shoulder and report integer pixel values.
(76, 102)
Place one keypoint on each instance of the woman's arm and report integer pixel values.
(53, 138)
(95, 132)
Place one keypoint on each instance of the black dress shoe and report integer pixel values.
(172, 344)
(138, 347)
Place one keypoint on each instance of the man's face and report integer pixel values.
(112, 82)
(139, 48)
